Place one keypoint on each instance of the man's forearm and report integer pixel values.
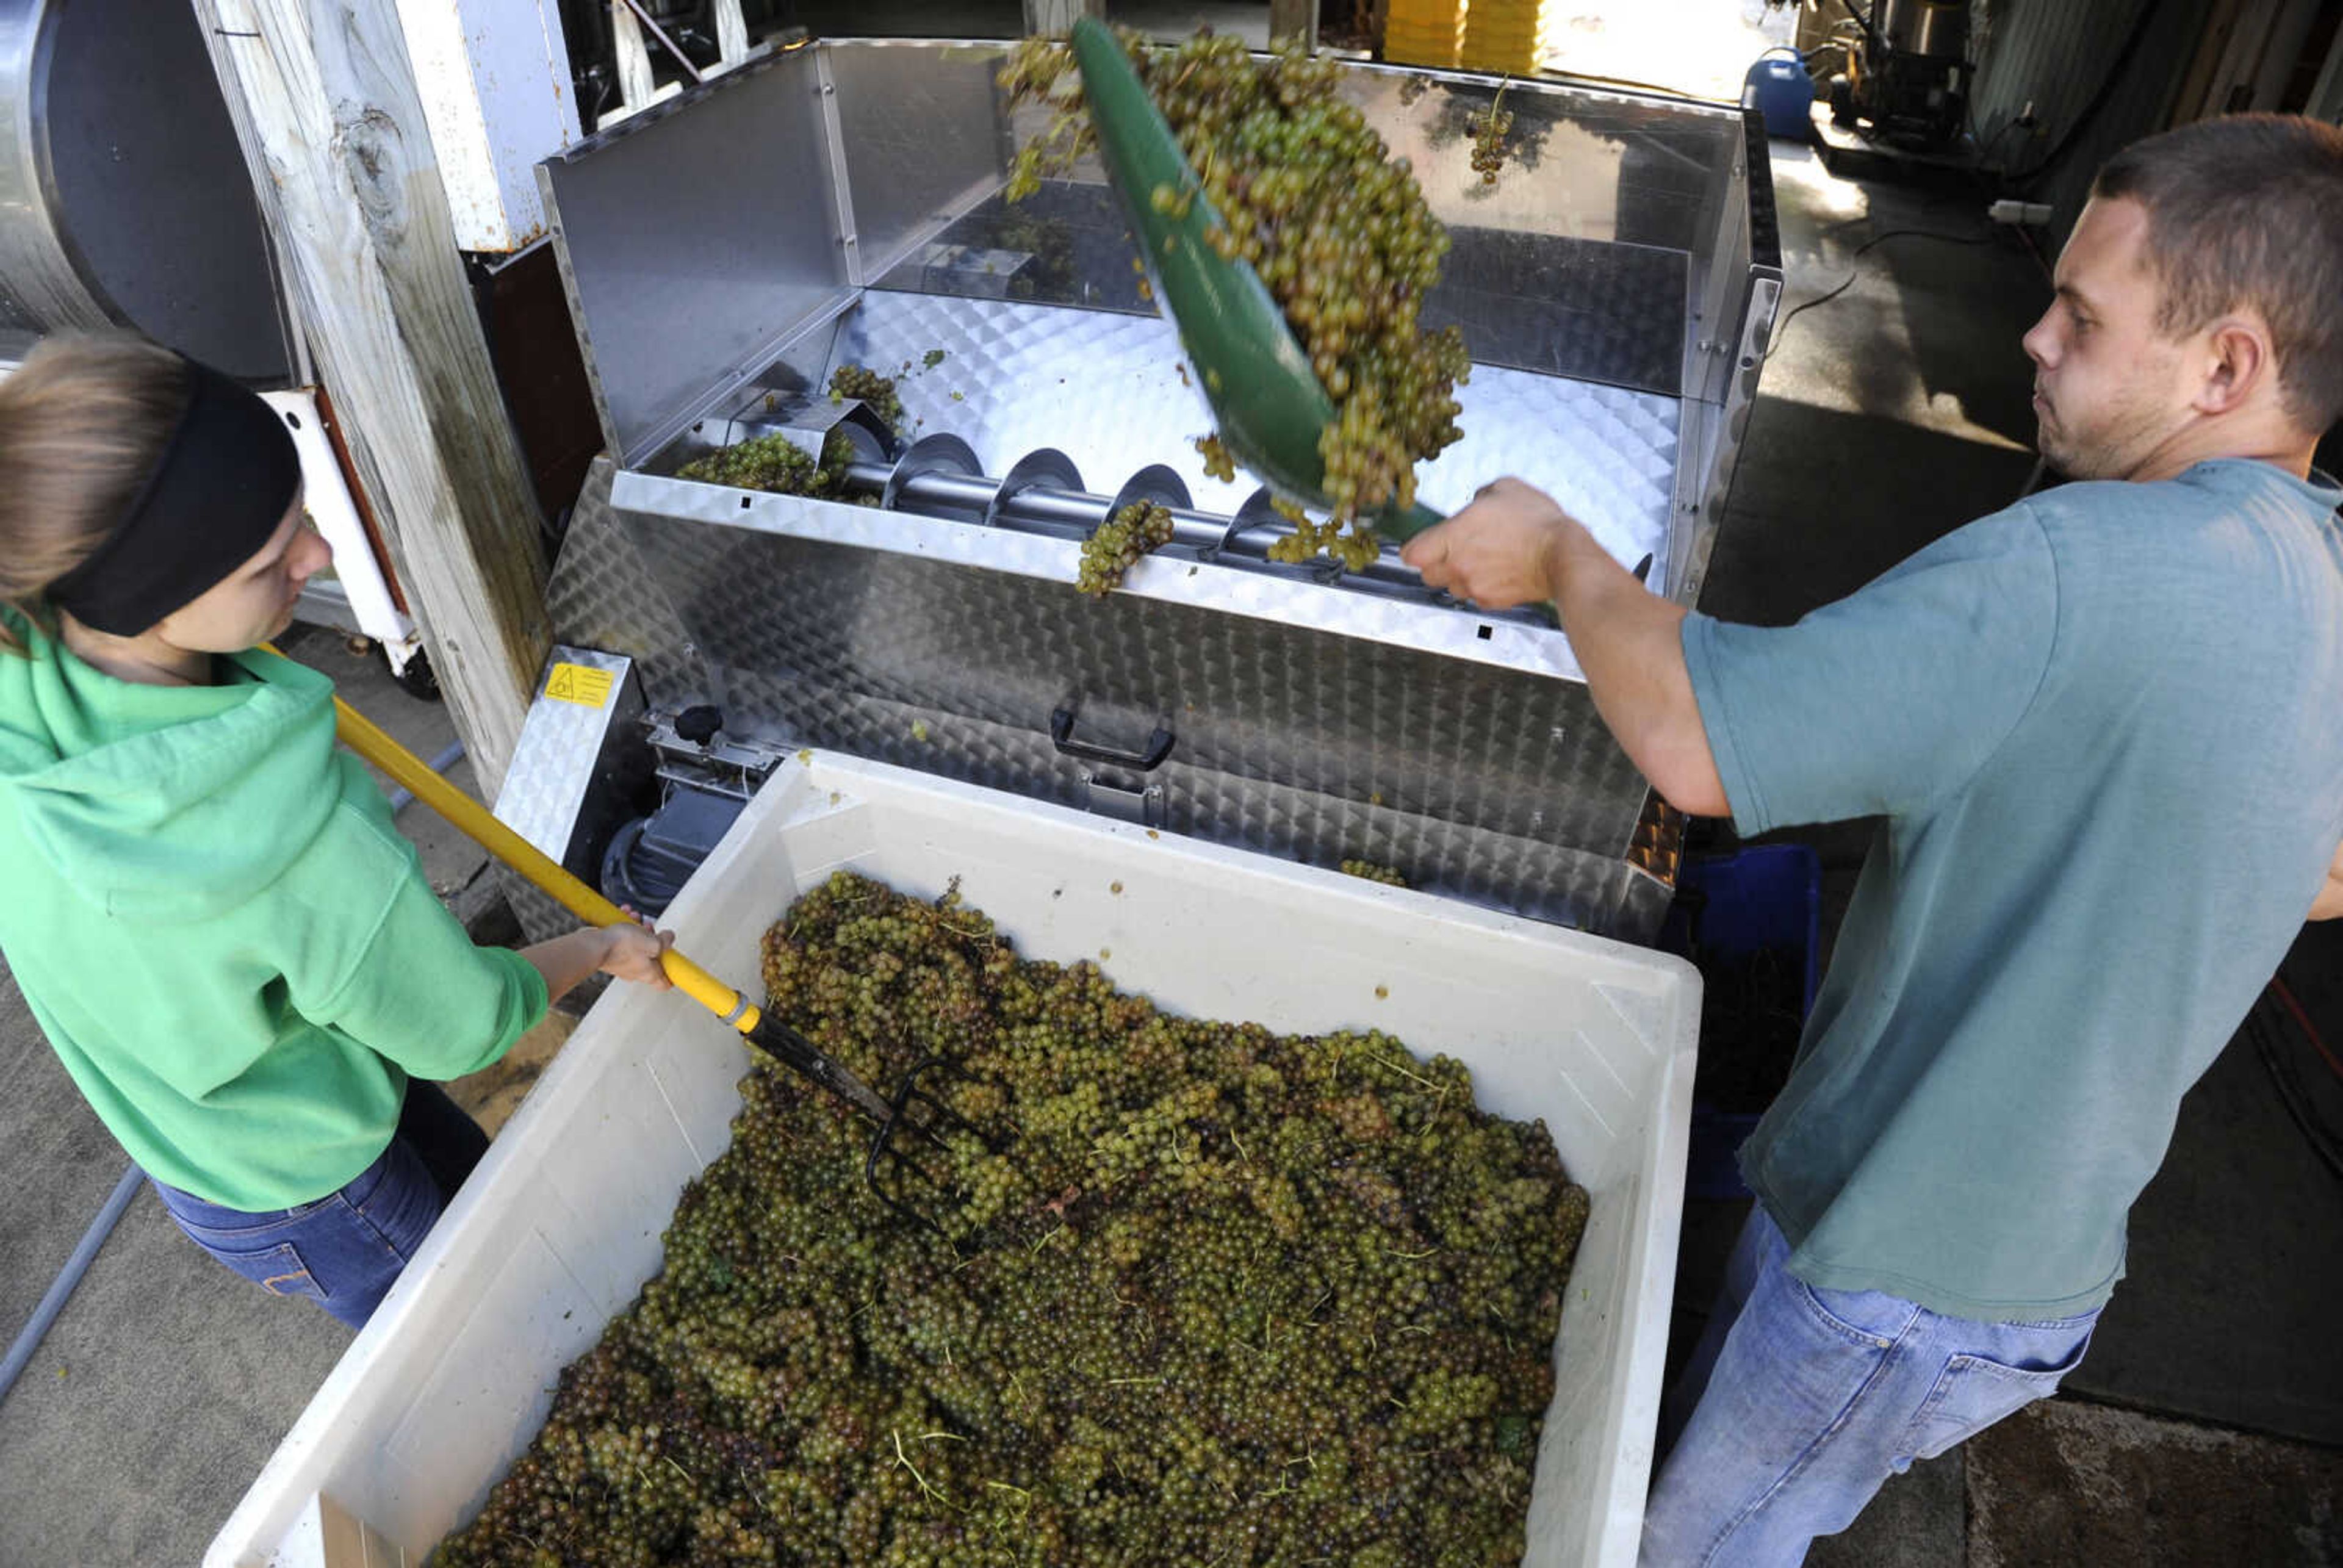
(1629, 642)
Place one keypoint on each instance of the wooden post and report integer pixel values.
(324, 104)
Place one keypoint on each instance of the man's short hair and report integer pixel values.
(2247, 210)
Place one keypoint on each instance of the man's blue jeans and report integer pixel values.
(345, 1251)
(1801, 1401)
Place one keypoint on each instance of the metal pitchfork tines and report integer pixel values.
(912, 1113)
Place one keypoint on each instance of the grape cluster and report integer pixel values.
(877, 391)
(1242, 1298)
(1373, 872)
(1218, 462)
(1116, 545)
(1489, 128)
(776, 463)
(1307, 194)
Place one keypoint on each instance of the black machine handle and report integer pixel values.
(1062, 736)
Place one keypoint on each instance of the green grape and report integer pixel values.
(1117, 544)
(776, 463)
(1212, 1293)
(876, 390)
(1489, 128)
(1336, 226)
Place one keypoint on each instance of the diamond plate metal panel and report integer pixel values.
(603, 596)
(1595, 310)
(1108, 390)
(562, 740)
(1476, 780)
(1591, 309)
(1386, 604)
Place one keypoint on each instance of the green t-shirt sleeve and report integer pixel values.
(1888, 699)
(423, 995)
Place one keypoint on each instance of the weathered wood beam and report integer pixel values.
(324, 104)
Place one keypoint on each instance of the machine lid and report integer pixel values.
(695, 238)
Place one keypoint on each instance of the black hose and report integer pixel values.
(1854, 272)
(1862, 21)
(2323, 1140)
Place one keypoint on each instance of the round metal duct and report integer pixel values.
(124, 197)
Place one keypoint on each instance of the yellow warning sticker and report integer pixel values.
(577, 683)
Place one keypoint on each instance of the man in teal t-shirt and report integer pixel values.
(2101, 732)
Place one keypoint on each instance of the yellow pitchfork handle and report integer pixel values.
(361, 735)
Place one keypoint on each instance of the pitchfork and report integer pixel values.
(913, 1113)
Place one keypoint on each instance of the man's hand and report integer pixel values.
(1514, 545)
(1499, 551)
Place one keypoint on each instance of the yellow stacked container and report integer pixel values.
(1426, 32)
(1512, 36)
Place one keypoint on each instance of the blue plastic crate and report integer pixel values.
(1732, 906)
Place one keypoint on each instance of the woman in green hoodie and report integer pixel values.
(230, 947)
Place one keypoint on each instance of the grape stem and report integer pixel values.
(905, 1461)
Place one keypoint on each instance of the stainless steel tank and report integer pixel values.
(1930, 29)
(124, 197)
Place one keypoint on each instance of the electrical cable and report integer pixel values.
(2285, 994)
(2323, 1141)
(1854, 272)
(1862, 21)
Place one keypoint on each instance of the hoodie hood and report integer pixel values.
(165, 802)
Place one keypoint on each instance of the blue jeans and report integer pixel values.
(346, 1250)
(1800, 1402)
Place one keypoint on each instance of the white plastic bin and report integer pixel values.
(560, 1225)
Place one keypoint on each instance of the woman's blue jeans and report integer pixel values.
(346, 1250)
(1800, 1402)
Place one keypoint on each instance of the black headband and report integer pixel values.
(222, 485)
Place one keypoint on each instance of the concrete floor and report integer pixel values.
(1890, 415)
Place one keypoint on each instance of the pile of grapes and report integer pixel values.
(876, 390)
(1116, 545)
(1234, 1298)
(1307, 192)
(776, 463)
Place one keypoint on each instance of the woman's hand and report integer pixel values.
(633, 952)
(626, 950)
